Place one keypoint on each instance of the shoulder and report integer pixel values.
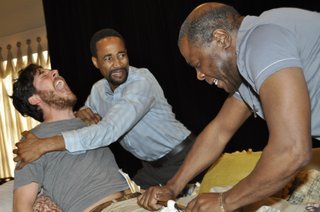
(266, 48)
(100, 83)
(141, 74)
(269, 40)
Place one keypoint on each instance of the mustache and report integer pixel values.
(119, 69)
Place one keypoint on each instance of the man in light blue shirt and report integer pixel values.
(134, 110)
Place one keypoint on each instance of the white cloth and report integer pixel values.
(6, 197)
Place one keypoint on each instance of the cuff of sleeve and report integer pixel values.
(237, 95)
(72, 141)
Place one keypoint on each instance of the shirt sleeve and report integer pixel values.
(131, 104)
(32, 172)
(270, 48)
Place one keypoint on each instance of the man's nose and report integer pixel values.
(55, 73)
(200, 76)
(116, 62)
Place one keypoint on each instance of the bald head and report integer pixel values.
(202, 8)
(205, 19)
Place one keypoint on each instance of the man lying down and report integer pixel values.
(68, 182)
(74, 182)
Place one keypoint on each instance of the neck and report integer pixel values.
(58, 115)
(112, 86)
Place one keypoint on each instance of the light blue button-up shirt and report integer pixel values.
(137, 113)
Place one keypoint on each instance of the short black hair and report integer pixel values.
(23, 89)
(103, 33)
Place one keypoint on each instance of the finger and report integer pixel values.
(28, 135)
(15, 151)
(191, 205)
(80, 113)
(140, 201)
(91, 116)
(97, 118)
(87, 116)
(19, 146)
(25, 133)
(87, 112)
(21, 165)
(153, 201)
(163, 196)
(143, 199)
(148, 200)
(89, 122)
(16, 159)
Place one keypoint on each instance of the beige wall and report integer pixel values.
(21, 20)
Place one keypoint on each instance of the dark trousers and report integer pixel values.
(150, 175)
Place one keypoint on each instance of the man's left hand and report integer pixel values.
(205, 202)
(88, 116)
(151, 197)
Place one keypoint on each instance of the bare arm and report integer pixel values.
(207, 148)
(286, 105)
(211, 142)
(33, 147)
(24, 197)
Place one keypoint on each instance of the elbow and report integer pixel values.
(305, 159)
(302, 157)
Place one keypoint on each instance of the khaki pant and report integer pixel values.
(129, 205)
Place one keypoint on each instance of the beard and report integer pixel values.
(116, 82)
(50, 98)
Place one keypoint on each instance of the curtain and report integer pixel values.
(12, 123)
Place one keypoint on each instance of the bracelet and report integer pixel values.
(221, 202)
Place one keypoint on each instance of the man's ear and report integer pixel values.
(222, 38)
(94, 61)
(34, 99)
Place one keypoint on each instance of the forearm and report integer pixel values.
(267, 178)
(207, 149)
(286, 110)
(55, 143)
(24, 198)
(33, 148)
(211, 142)
(22, 208)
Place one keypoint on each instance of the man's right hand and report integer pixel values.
(27, 151)
(152, 196)
(88, 116)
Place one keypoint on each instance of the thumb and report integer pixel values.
(165, 196)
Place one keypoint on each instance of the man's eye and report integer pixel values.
(122, 55)
(42, 74)
(108, 59)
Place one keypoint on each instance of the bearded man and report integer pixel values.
(74, 182)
